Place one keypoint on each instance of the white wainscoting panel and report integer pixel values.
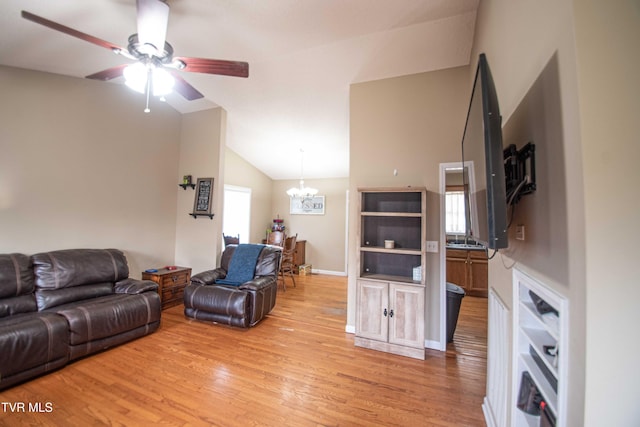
(498, 362)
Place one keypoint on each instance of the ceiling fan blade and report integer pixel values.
(214, 66)
(109, 73)
(153, 17)
(187, 91)
(70, 31)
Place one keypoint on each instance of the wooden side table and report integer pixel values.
(171, 284)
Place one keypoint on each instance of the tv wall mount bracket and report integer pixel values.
(519, 171)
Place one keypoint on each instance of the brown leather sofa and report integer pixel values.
(58, 306)
(242, 305)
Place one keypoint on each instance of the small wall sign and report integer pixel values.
(307, 205)
(203, 198)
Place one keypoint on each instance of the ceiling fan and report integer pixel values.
(155, 71)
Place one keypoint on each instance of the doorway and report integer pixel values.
(236, 217)
(471, 330)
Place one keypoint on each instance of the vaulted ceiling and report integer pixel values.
(303, 55)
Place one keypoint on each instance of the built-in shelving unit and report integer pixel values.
(537, 335)
(391, 278)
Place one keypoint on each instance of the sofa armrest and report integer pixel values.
(258, 283)
(135, 286)
(208, 277)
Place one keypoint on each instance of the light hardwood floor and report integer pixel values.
(296, 368)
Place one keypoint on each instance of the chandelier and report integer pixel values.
(301, 192)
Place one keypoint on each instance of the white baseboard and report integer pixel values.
(488, 414)
(328, 272)
(434, 345)
(350, 329)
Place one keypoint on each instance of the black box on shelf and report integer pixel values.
(553, 381)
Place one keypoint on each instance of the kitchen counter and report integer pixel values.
(465, 247)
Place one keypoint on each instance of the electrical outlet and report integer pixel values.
(432, 246)
(520, 232)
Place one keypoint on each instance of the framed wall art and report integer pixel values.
(307, 205)
(203, 198)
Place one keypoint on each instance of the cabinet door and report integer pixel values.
(479, 276)
(299, 255)
(406, 315)
(457, 270)
(373, 301)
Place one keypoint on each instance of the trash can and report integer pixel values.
(454, 298)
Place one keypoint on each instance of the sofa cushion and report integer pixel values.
(48, 298)
(110, 315)
(135, 286)
(31, 340)
(77, 267)
(16, 275)
(243, 264)
(17, 305)
(226, 303)
(269, 261)
(16, 285)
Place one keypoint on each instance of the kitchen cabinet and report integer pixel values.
(469, 269)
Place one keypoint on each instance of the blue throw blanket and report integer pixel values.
(242, 265)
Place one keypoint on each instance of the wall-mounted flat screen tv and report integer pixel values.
(482, 155)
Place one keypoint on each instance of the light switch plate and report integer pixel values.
(520, 232)
(432, 246)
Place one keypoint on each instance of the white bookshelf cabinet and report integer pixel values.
(391, 279)
(531, 333)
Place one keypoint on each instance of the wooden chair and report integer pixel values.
(287, 264)
(231, 240)
(276, 238)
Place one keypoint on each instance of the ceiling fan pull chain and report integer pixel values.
(148, 91)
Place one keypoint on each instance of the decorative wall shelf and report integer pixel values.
(184, 186)
(196, 215)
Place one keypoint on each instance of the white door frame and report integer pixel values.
(443, 252)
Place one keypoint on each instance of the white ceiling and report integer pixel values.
(302, 55)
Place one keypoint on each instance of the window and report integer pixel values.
(237, 212)
(454, 212)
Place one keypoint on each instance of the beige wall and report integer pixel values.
(535, 76)
(607, 35)
(411, 124)
(325, 234)
(324, 250)
(202, 142)
(239, 172)
(581, 245)
(81, 165)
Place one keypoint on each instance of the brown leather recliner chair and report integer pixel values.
(213, 296)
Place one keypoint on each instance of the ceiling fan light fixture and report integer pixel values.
(162, 82)
(135, 76)
(149, 47)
